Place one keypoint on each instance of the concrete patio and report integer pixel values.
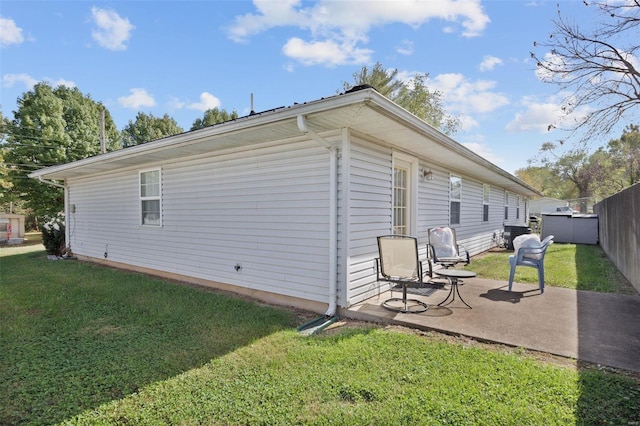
(588, 326)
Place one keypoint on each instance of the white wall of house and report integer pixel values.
(370, 206)
(266, 209)
(368, 201)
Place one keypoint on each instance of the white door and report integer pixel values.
(403, 198)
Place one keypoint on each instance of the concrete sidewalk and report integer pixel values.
(594, 327)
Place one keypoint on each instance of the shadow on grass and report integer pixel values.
(607, 331)
(76, 335)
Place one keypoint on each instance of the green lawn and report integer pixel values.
(576, 266)
(83, 344)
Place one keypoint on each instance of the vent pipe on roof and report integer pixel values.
(252, 110)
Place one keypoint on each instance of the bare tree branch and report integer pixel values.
(599, 70)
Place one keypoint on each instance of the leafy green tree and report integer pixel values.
(52, 126)
(147, 128)
(5, 182)
(413, 95)
(546, 181)
(625, 154)
(571, 166)
(213, 116)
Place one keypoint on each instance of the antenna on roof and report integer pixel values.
(252, 110)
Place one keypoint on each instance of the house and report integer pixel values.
(285, 205)
(542, 205)
(11, 228)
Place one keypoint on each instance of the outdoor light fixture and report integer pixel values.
(426, 174)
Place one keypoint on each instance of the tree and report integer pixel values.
(147, 128)
(547, 182)
(213, 116)
(579, 174)
(625, 154)
(414, 95)
(598, 69)
(52, 126)
(5, 182)
(572, 166)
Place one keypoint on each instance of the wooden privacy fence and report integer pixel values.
(619, 231)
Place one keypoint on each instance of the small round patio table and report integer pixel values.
(453, 275)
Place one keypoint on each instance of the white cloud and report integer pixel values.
(543, 116)
(467, 123)
(552, 61)
(207, 101)
(10, 33)
(341, 26)
(467, 97)
(489, 63)
(484, 151)
(405, 48)
(9, 80)
(139, 98)
(325, 52)
(536, 117)
(113, 31)
(62, 82)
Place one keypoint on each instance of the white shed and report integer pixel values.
(285, 205)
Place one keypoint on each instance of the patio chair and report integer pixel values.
(443, 249)
(398, 263)
(531, 256)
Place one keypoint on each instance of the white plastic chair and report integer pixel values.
(532, 256)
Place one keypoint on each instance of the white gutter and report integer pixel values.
(66, 200)
(333, 213)
(50, 182)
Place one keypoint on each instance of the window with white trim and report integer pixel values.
(486, 192)
(150, 198)
(400, 201)
(518, 208)
(455, 198)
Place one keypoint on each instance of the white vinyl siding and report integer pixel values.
(369, 196)
(266, 210)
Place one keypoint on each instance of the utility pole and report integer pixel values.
(103, 144)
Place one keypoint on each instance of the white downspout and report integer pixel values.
(333, 213)
(66, 201)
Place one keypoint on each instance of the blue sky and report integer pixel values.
(182, 57)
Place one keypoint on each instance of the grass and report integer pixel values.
(575, 266)
(84, 345)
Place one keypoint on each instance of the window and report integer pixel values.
(400, 201)
(518, 209)
(485, 202)
(506, 206)
(455, 196)
(150, 198)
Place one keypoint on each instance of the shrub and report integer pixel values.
(53, 235)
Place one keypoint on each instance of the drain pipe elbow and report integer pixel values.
(52, 183)
(333, 208)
